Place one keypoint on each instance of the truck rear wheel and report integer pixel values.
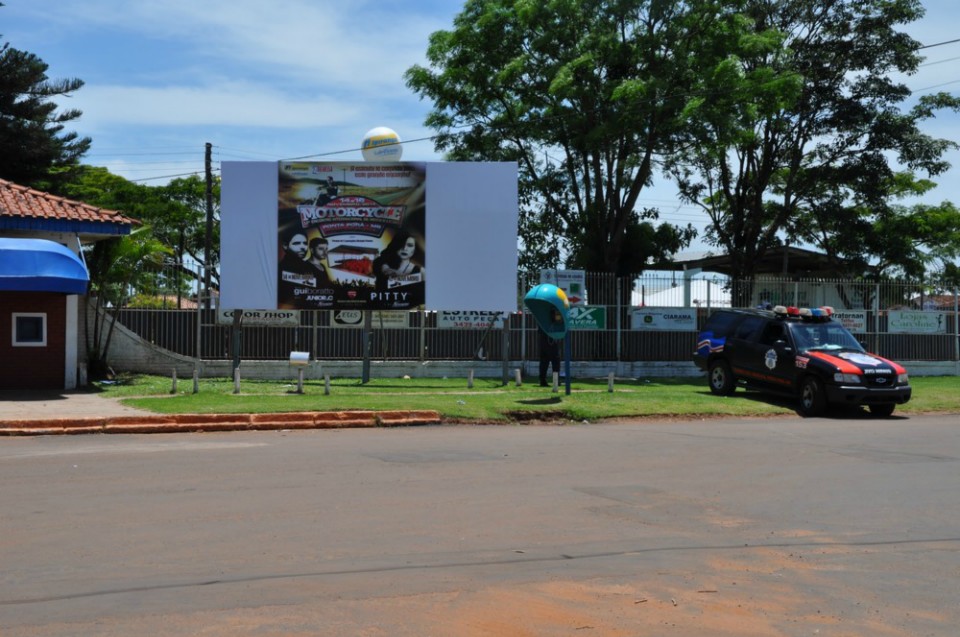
(722, 380)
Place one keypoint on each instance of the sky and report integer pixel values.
(266, 81)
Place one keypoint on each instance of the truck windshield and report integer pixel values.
(823, 337)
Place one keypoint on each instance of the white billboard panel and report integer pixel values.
(321, 235)
(248, 235)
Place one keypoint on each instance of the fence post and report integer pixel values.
(876, 319)
(523, 339)
(423, 335)
(956, 328)
(505, 346)
(619, 294)
(199, 314)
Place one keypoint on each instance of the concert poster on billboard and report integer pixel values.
(351, 236)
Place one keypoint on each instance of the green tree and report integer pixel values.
(182, 225)
(175, 214)
(949, 277)
(815, 157)
(883, 239)
(584, 95)
(32, 136)
(118, 268)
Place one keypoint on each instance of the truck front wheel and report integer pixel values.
(813, 400)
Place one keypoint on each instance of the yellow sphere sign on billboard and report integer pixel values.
(381, 144)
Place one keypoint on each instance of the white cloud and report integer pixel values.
(318, 43)
(231, 104)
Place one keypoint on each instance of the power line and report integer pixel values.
(930, 46)
(197, 172)
(930, 88)
(152, 154)
(953, 59)
(353, 150)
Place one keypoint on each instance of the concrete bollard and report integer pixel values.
(196, 380)
(556, 382)
(516, 377)
(236, 381)
(326, 384)
(470, 379)
(173, 385)
(610, 382)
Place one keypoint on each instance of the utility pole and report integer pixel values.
(208, 244)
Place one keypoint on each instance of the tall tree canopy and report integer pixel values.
(816, 157)
(584, 95)
(32, 136)
(175, 213)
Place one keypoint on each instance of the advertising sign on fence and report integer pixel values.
(386, 319)
(469, 319)
(572, 282)
(261, 317)
(588, 318)
(667, 319)
(854, 320)
(916, 322)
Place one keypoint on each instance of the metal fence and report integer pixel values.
(902, 320)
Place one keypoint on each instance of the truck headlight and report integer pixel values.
(903, 379)
(847, 378)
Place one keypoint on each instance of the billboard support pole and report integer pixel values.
(367, 337)
(237, 316)
(505, 341)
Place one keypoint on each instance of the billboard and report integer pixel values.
(351, 236)
(356, 236)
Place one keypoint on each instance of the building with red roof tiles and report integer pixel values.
(28, 212)
(42, 277)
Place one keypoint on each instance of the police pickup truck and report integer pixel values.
(800, 353)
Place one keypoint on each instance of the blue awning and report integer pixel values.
(39, 265)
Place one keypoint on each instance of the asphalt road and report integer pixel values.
(839, 526)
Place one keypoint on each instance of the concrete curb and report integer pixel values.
(185, 423)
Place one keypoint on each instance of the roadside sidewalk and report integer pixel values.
(50, 413)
